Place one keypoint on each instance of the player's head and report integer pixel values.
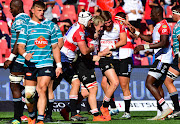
(84, 18)
(98, 22)
(16, 7)
(38, 9)
(156, 13)
(108, 23)
(176, 12)
(120, 16)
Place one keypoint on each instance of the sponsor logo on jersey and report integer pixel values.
(33, 31)
(19, 22)
(41, 42)
(47, 71)
(164, 26)
(28, 74)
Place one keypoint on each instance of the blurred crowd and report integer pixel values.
(64, 13)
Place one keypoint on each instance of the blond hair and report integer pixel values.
(97, 19)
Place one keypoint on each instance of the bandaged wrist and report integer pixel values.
(59, 65)
(146, 46)
(137, 33)
(112, 47)
(24, 54)
(11, 57)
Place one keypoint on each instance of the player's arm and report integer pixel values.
(13, 54)
(22, 52)
(179, 53)
(123, 40)
(164, 42)
(84, 49)
(56, 49)
(60, 43)
(57, 58)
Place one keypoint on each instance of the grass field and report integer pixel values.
(137, 118)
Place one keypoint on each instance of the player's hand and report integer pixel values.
(29, 56)
(138, 48)
(58, 72)
(133, 11)
(96, 58)
(179, 62)
(7, 63)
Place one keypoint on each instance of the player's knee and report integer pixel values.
(30, 91)
(15, 78)
(115, 84)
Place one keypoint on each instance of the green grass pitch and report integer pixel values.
(138, 117)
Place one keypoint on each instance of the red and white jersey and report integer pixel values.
(111, 38)
(127, 50)
(75, 34)
(163, 54)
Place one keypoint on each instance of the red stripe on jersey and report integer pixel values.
(70, 46)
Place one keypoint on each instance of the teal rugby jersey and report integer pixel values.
(20, 19)
(38, 38)
(176, 33)
(59, 33)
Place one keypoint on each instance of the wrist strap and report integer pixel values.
(11, 57)
(137, 33)
(24, 54)
(59, 65)
(146, 46)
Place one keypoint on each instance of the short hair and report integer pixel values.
(106, 15)
(38, 4)
(97, 19)
(159, 9)
(177, 8)
(121, 14)
(17, 3)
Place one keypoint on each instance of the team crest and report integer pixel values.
(164, 26)
(41, 42)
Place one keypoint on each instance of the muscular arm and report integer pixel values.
(147, 38)
(56, 53)
(123, 40)
(164, 42)
(83, 48)
(21, 49)
(15, 48)
(60, 43)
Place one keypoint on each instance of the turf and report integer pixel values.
(136, 118)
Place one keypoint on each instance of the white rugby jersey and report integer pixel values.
(163, 54)
(127, 50)
(111, 38)
(75, 34)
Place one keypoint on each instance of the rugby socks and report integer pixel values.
(40, 118)
(174, 98)
(73, 104)
(50, 107)
(106, 102)
(94, 112)
(17, 106)
(112, 102)
(163, 104)
(127, 101)
(159, 109)
(32, 115)
(23, 102)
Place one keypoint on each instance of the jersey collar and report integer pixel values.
(20, 14)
